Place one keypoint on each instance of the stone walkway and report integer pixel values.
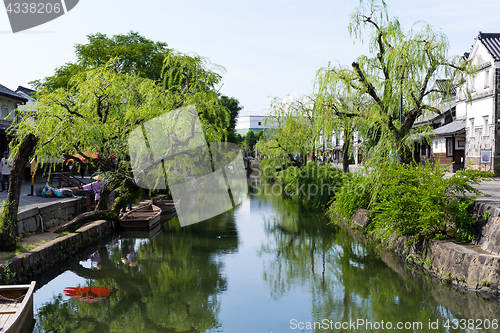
(27, 202)
(491, 187)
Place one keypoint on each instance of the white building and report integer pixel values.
(27, 93)
(9, 102)
(482, 116)
(254, 123)
(467, 132)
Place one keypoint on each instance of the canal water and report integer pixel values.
(265, 266)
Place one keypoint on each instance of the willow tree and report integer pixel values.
(340, 109)
(135, 54)
(398, 74)
(193, 80)
(292, 133)
(92, 119)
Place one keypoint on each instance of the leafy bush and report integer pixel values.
(407, 200)
(314, 185)
(355, 194)
(268, 167)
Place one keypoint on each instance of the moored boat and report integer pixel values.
(145, 217)
(167, 206)
(16, 308)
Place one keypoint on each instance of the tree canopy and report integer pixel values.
(398, 74)
(293, 131)
(135, 55)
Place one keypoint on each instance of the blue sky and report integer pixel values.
(269, 48)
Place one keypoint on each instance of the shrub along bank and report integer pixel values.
(314, 185)
(412, 201)
(404, 200)
(409, 209)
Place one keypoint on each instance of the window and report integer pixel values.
(486, 79)
(485, 126)
(423, 150)
(260, 123)
(449, 147)
(471, 129)
(5, 111)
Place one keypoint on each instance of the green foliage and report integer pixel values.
(6, 223)
(355, 194)
(8, 276)
(293, 131)
(186, 79)
(401, 67)
(408, 200)
(314, 185)
(486, 215)
(95, 117)
(485, 283)
(4, 212)
(269, 168)
(234, 108)
(135, 53)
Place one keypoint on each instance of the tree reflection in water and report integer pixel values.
(169, 283)
(346, 279)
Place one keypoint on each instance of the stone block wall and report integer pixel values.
(489, 231)
(31, 263)
(473, 148)
(41, 218)
(475, 267)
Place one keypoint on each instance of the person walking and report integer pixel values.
(6, 167)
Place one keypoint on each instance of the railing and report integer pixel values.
(65, 177)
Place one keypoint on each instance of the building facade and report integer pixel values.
(254, 123)
(481, 115)
(467, 133)
(9, 101)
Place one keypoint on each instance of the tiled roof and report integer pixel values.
(451, 128)
(4, 91)
(492, 43)
(27, 91)
(445, 86)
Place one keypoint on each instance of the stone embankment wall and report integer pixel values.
(37, 219)
(471, 266)
(31, 263)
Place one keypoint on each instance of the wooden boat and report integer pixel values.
(144, 217)
(167, 206)
(16, 308)
(140, 233)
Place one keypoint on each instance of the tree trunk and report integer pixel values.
(405, 155)
(345, 151)
(84, 218)
(9, 211)
(103, 199)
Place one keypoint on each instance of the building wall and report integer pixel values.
(496, 119)
(480, 113)
(444, 160)
(254, 123)
(6, 107)
(439, 145)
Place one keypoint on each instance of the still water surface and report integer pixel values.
(266, 266)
